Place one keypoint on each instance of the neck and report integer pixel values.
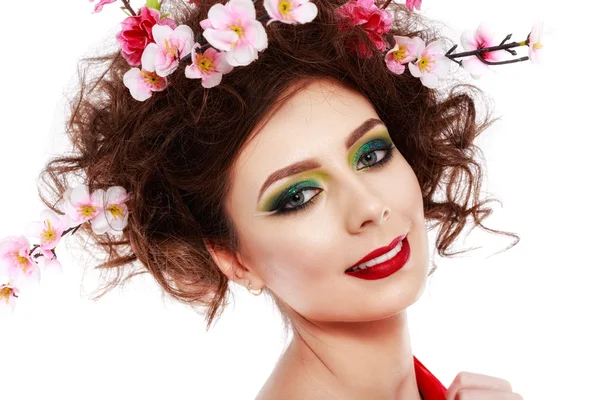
(362, 360)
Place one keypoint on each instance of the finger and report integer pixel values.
(484, 394)
(471, 380)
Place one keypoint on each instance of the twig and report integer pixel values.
(128, 7)
(478, 53)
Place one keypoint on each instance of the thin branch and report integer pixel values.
(478, 53)
(128, 7)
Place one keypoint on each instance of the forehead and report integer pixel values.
(312, 122)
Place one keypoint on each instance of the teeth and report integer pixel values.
(382, 258)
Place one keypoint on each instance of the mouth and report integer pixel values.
(379, 255)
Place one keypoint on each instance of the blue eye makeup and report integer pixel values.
(373, 154)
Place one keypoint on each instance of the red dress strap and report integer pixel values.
(429, 386)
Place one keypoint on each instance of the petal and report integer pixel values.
(116, 195)
(474, 66)
(484, 35)
(192, 72)
(186, 37)
(138, 90)
(241, 55)
(222, 40)
(305, 13)
(219, 17)
(271, 8)
(243, 8)
(80, 195)
(414, 70)
(436, 47)
(205, 24)
(442, 67)
(212, 80)
(468, 41)
(33, 229)
(161, 33)
(430, 80)
(100, 224)
(149, 57)
(259, 34)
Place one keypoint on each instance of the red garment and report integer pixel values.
(429, 386)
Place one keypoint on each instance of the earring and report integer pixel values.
(249, 287)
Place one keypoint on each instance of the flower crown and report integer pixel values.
(155, 46)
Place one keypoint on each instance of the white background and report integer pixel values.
(529, 315)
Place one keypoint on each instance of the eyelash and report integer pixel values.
(379, 164)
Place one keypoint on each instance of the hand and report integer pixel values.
(472, 386)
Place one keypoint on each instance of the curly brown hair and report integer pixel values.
(174, 152)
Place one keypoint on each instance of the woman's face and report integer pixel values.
(301, 255)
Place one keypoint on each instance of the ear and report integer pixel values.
(233, 267)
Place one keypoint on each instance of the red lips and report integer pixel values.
(377, 252)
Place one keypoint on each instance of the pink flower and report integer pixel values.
(208, 66)
(290, 11)
(142, 83)
(47, 260)
(536, 51)
(473, 40)
(114, 214)
(80, 206)
(106, 209)
(431, 63)
(411, 5)
(15, 261)
(8, 295)
(136, 33)
(404, 51)
(171, 45)
(365, 13)
(233, 28)
(101, 4)
(49, 230)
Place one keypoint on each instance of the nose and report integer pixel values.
(364, 207)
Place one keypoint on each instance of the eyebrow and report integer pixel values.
(308, 164)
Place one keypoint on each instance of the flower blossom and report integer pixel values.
(105, 209)
(535, 43)
(142, 83)
(411, 5)
(101, 4)
(115, 214)
(136, 33)
(47, 260)
(208, 66)
(8, 294)
(431, 63)
(171, 46)
(365, 13)
(481, 38)
(15, 261)
(49, 230)
(290, 11)
(233, 28)
(402, 53)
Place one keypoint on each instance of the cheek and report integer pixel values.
(293, 254)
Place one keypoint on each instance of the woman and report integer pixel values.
(291, 175)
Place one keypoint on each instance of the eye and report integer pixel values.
(375, 158)
(298, 200)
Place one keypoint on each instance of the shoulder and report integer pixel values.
(292, 384)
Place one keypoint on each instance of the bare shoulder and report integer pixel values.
(290, 384)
